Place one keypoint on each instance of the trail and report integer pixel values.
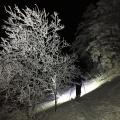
(69, 94)
(101, 104)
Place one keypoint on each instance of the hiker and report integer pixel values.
(78, 83)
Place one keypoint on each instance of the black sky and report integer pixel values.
(70, 11)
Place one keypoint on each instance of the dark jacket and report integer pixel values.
(79, 81)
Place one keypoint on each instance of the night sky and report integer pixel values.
(70, 12)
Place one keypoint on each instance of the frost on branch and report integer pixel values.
(35, 47)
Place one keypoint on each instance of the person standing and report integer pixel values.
(78, 83)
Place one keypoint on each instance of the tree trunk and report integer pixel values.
(29, 104)
(55, 101)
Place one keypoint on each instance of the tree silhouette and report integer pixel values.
(98, 35)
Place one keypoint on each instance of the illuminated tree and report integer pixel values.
(33, 52)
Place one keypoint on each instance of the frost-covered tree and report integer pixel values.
(106, 29)
(99, 34)
(32, 60)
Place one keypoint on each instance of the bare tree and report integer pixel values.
(33, 49)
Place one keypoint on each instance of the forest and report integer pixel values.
(36, 62)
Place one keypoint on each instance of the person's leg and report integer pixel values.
(78, 91)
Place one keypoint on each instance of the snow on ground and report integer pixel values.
(88, 86)
(69, 94)
(101, 104)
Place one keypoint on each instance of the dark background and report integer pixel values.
(70, 12)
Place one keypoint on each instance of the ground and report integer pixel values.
(101, 104)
